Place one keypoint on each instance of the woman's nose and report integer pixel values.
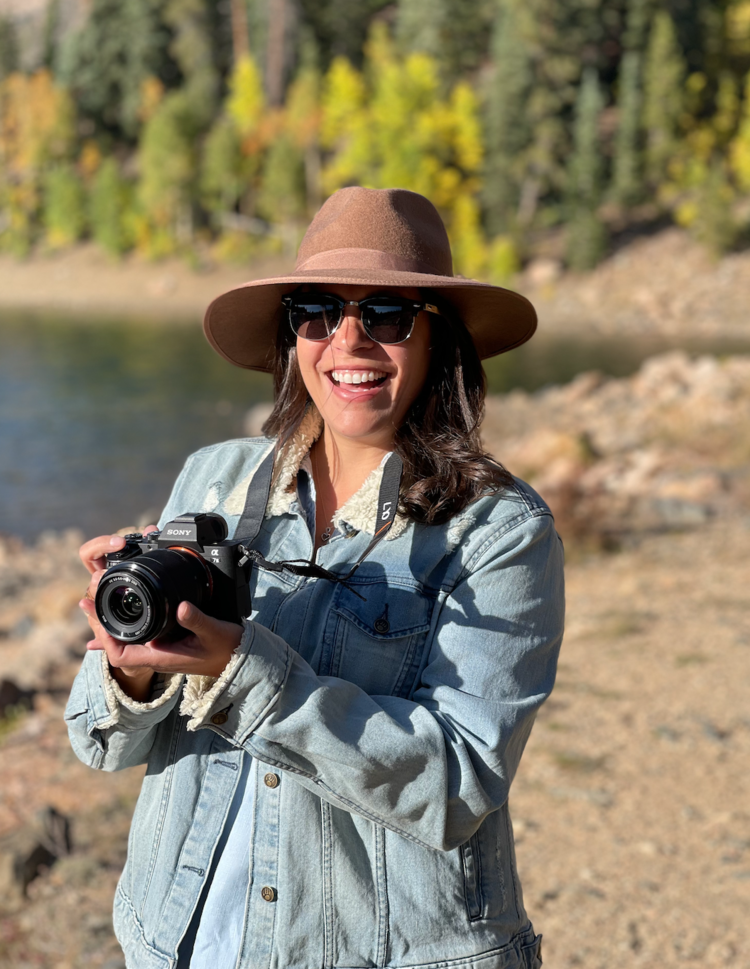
(351, 334)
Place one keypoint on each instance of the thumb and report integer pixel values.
(190, 616)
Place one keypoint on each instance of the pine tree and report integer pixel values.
(281, 198)
(455, 32)
(627, 160)
(506, 121)
(223, 176)
(586, 231)
(340, 27)
(167, 163)
(122, 43)
(423, 25)
(192, 48)
(110, 201)
(739, 150)
(64, 212)
(8, 47)
(663, 94)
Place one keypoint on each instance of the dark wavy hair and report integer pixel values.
(445, 466)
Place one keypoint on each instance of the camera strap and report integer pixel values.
(255, 507)
(251, 519)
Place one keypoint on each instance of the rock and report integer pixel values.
(663, 449)
(543, 272)
(12, 696)
(27, 853)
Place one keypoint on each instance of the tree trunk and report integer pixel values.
(240, 41)
(276, 51)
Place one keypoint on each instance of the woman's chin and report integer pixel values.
(359, 423)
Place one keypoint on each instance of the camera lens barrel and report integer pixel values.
(137, 600)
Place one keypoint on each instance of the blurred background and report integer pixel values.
(592, 154)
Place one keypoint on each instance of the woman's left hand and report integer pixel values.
(205, 651)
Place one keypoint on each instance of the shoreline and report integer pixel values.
(659, 287)
(84, 280)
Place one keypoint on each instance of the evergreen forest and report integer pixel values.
(216, 129)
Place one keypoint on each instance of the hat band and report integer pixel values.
(366, 259)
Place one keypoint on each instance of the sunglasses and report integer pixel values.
(385, 319)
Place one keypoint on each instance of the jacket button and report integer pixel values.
(219, 718)
(271, 780)
(382, 626)
(268, 894)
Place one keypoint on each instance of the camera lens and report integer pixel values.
(137, 600)
(126, 605)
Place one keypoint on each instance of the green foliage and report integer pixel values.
(626, 170)
(64, 212)
(105, 64)
(454, 32)
(36, 135)
(168, 171)
(340, 27)
(8, 48)
(281, 197)
(507, 127)
(110, 204)
(627, 163)
(516, 117)
(223, 176)
(708, 213)
(663, 96)
(193, 51)
(586, 232)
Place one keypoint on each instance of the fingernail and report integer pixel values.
(116, 541)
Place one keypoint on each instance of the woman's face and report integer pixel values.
(369, 411)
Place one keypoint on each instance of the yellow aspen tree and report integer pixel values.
(739, 149)
(344, 128)
(36, 132)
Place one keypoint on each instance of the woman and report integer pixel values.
(327, 783)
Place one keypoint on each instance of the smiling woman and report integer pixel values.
(328, 777)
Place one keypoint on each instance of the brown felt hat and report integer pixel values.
(368, 237)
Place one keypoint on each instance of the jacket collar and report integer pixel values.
(359, 512)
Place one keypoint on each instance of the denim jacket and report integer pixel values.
(385, 733)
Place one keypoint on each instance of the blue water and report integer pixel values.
(97, 417)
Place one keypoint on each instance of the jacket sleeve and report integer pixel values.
(109, 730)
(431, 767)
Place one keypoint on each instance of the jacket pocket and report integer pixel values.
(378, 641)
(471, 860)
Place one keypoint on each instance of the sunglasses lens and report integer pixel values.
(314, 319)
(387, 322)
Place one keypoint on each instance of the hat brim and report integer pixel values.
(241, 324)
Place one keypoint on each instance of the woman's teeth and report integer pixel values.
(357, 376)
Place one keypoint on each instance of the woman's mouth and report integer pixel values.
(357, 380)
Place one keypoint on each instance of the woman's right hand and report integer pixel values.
(135, 682)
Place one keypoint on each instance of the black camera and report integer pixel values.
(190, 559)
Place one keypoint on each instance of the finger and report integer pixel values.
(93, 552)
(93, 585)
(150, 528)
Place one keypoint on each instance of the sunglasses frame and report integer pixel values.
(289, 300)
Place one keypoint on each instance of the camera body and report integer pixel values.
(189, 559)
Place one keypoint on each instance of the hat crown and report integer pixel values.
(402, 226)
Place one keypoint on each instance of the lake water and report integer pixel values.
(97, 418)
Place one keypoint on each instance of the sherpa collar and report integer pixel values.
(360, 511)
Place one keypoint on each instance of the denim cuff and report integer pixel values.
(119, 704)
(238, 700)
